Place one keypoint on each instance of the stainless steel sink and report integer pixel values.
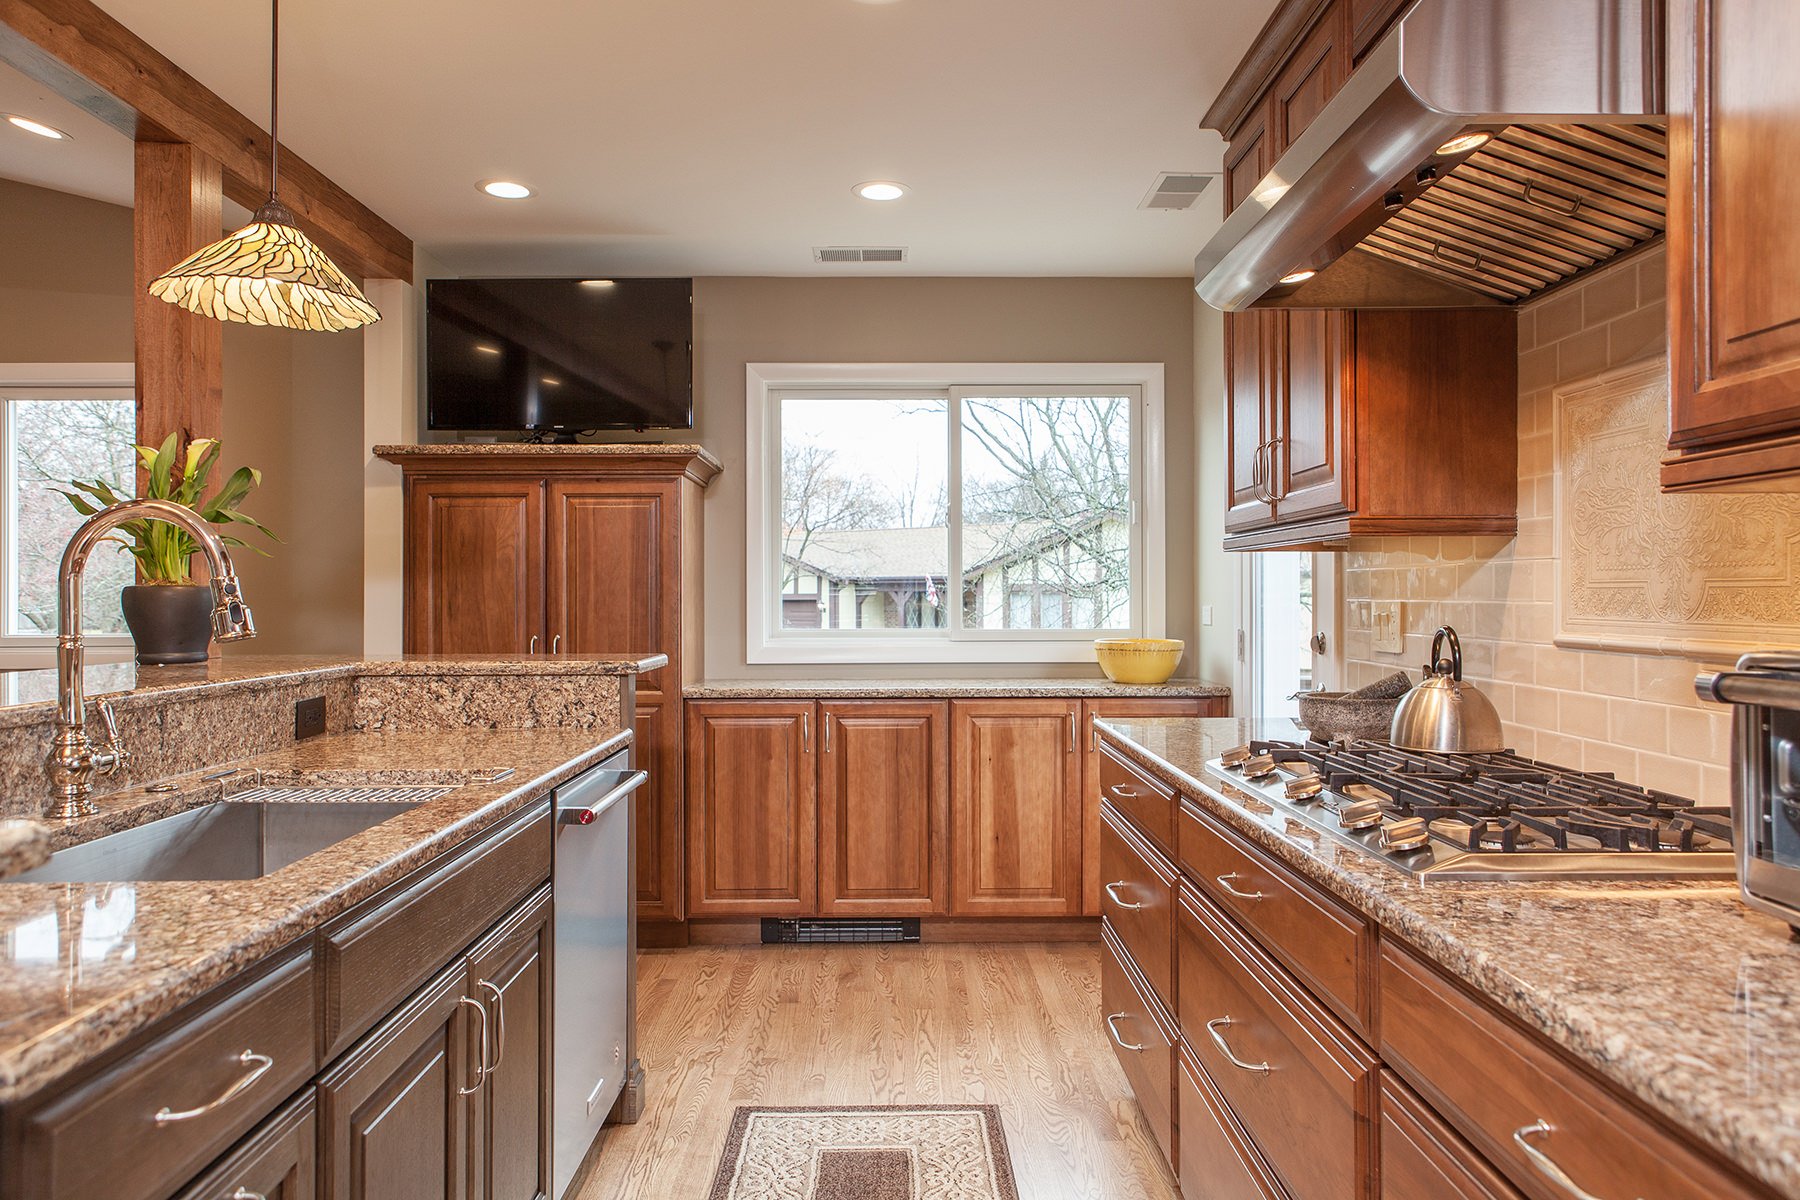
(247, 836)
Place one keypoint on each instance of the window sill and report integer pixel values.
(936, 652)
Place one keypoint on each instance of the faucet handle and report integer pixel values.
(115, 754)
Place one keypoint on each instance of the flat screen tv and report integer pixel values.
(557, 356)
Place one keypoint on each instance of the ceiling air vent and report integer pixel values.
(1174, 191)
(859, 254)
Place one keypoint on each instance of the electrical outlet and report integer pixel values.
(1389, 635)
(309, 717)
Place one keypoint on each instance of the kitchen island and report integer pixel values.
(1667, 1009)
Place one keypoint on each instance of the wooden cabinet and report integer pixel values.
(1015, 787)
(1144, 1037)
(276, 1162)
(1138, 901)
(752, 808)
(884, 807)
(474, 566)
(1218, 1160)
(659, 838)
(1733, 245)
(1370, 20)
(510, 1121)
(1422, 1158)
(1311, 76)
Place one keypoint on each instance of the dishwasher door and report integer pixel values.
(593, 967)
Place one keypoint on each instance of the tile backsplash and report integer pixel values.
(1633, 714)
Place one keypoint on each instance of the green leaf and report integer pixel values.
(162, 465)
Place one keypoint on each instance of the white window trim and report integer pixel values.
(762, 641)
(50, 381)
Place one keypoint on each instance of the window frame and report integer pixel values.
(766, 383)
(48, 381)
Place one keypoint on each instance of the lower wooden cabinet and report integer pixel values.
(752, 810)
(1143, 1034)
(1422, 1158)
(1016, 812)
(509, 972)
(884, 808)
(275, 1162)
(661, 891)
(1218, 1160)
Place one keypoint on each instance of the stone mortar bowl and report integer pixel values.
(1329, 715)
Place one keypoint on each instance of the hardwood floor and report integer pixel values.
(1012, 1025)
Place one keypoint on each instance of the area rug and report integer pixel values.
(881, 1152)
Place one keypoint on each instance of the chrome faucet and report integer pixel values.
(74, 758)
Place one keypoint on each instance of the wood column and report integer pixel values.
(176, 210)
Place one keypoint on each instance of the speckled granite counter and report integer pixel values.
(1677, 993)
(1090, 688)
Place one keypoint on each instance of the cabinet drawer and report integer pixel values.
(1149, 805)
(1217, 1160)
(210, 1078)
(1144, 1039)
(1423, 1159)
(275, 1162)
(1526, 1109)
(377, 955)
(1330, 947)
(1137, 898)
(1300, 1083)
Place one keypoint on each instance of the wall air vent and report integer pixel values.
(859, 254)
(1174, 191)
(778, 931)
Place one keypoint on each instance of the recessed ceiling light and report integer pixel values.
(1300, 276)
(37, 127)
(1465, 143)
(550, 381)
(598, 283)
(487, 348)
(505, 189)
(881, 189)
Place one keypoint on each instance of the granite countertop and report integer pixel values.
(1676, 992)
(935, 689)
(85, 966)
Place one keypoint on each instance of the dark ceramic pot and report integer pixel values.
(171, 623)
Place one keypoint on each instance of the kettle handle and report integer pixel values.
(1437, 641)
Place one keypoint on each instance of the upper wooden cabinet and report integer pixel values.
(474, 566)
(1734, 247)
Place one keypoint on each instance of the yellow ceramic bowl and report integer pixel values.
(1139, 660)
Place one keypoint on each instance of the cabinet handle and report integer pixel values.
(1072, 734)
(806, 733)
(245, 1193)
(1547, 1166)
(259, 1065)
(1121, 1043)
(1123, 792)
(1118, 883)
(1224, 881)
(556, 644)
(1212, 1031)
(499, 1022)
(532, 648)
(1256, 491)
(481, 1067)
(1272, 476)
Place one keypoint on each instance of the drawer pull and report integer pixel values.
(1136, 1047)
(1119, 883)
(259, 1065)
(1212, 1031)
(1546, 1165)
(1224, 881)
(1123, 792)
(499, 1023)
(481, 1062)
(245, 1193)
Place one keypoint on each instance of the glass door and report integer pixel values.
(1290, 634)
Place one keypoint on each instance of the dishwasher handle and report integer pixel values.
(587, 814)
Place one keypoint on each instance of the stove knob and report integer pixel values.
(1404, 834)
(1362, 814)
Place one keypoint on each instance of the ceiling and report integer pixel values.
(724, 137)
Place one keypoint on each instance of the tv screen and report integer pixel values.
(559, 355)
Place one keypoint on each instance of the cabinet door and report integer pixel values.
(660, 896)
(1312, 452)
(752, 808)
(1422, 1158)
(475, 566)
(1734, 247)
(1253, 351)
(509, 1117)
(1247, 159)
(1090, 775)
(614, 562)
(1015, 796)
(393, 1120)
(1313, 74)
(884, 808)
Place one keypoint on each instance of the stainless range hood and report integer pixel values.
(1483, 152)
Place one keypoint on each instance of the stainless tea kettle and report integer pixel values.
(1443, 713)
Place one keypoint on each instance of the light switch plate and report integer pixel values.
(1384, 618)
(1206, 611)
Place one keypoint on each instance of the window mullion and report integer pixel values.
(953, 585)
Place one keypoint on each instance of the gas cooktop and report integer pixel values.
(1483, 816)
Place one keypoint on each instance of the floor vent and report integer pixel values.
(1174, 191)
(859, 254)
(812, 930)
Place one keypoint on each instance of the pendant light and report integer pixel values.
(268, 272)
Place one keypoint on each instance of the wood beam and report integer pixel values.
(85, 55)
(179, 354)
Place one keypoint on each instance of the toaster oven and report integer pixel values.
(1764, 692)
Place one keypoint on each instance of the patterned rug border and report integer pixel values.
(740, 1124)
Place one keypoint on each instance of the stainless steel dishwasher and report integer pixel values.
(596, 949)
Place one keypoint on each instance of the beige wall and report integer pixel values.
(65, 277)
(744, 320)
(1219, 585)
(1635, 715)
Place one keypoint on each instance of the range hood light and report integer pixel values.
(1299, 276)
(1465, 143)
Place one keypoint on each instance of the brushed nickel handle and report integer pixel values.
(1570, 206)
(245, 1193)
(1117, 883)
(825, 723)
(805, 732)
(556, 644)
(259, 1065)
(1212, 1031)
(1072, 734)
(1458, 259)
(1123, 792)
(481, 1065)
(532, 648)
(499, 1022)
(1224, 881)
(1272, 476)
(1256, 470)
(1121, 1043)
(1548, 1167)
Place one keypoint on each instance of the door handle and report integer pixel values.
(556, 644)
(1256, 459)
(805, 733)
(1218, 1038)
(1072, 734)
(481, 1067)
(532, 647)
(1118, 883)
(1317, 643)
(825, 724)
(499, 1022)
(1272, 476)
(1121, 1043)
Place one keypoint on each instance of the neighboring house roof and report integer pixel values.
(869, 554)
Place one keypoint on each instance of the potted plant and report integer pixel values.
(170, 616)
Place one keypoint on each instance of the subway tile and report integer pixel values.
(1653, 278)
(1558, 749)
(1609, 674)
(1715, 786)
(1621, 761)
(1642, 334)
(1535, 455)
(1522, 739)
(1514, 663)
(1583, 716)
(1701, 734)
(1582, 356)
(1456, 549)
(1609, 294)
(1667, 680)
(1640, 725)
(1666, 774)
(1536, 706)
(1557, 668)
(1503, 696)
(1486, 619)
(1537, 368)
(1544, 589)
(1559, 316)
(1478, 657)
(1527, 331)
